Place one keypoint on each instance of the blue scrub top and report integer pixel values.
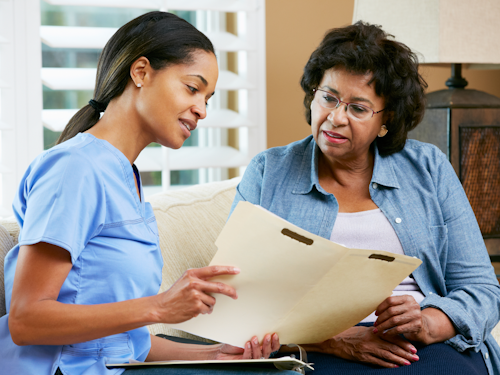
(81, 196)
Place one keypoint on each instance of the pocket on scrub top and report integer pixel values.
(110, 346)
(153, 226)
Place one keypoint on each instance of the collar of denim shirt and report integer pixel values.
(307, 178)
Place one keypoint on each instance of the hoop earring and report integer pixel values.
(383, 131)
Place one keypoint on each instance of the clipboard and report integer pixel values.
(302, 286)
(282, 363)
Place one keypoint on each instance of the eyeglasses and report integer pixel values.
(357, 111)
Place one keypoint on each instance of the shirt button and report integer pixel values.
(486, 356)
(398, 220)
(375, 185)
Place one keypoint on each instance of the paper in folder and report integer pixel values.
(302, 286)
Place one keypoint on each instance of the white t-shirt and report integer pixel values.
(371, 230)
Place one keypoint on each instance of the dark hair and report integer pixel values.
(362, 48)
(163, 38)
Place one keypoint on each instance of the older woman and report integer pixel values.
(358, 181)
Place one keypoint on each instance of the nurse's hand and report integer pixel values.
(191, 294)
(253, 349)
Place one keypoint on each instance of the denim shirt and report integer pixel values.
(419, 192)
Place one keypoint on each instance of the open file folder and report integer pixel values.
(302, 286)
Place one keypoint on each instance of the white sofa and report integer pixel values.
(189, 221)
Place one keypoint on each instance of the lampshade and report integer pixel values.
(440, 31)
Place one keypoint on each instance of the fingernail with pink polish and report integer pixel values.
(375, 330)
(407, 363)
(416, 358)
(413, 349)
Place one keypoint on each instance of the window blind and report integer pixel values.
(235, 128)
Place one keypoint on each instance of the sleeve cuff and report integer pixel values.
(468, 335)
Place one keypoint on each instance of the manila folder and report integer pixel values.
(302, 286)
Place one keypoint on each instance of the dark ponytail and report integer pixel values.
(163, 38)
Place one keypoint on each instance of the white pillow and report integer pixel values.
(7, 242)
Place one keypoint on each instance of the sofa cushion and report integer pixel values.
(10, 224)
(7, 242)
(189, 222)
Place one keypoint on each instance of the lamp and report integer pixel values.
(463, 123)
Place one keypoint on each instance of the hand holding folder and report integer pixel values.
(299, 285)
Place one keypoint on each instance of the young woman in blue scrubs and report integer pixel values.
(82, 283)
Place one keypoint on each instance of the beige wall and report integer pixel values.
(294, 29)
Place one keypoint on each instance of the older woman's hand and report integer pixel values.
(253, 349)
(360, 344)
(401, 315)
